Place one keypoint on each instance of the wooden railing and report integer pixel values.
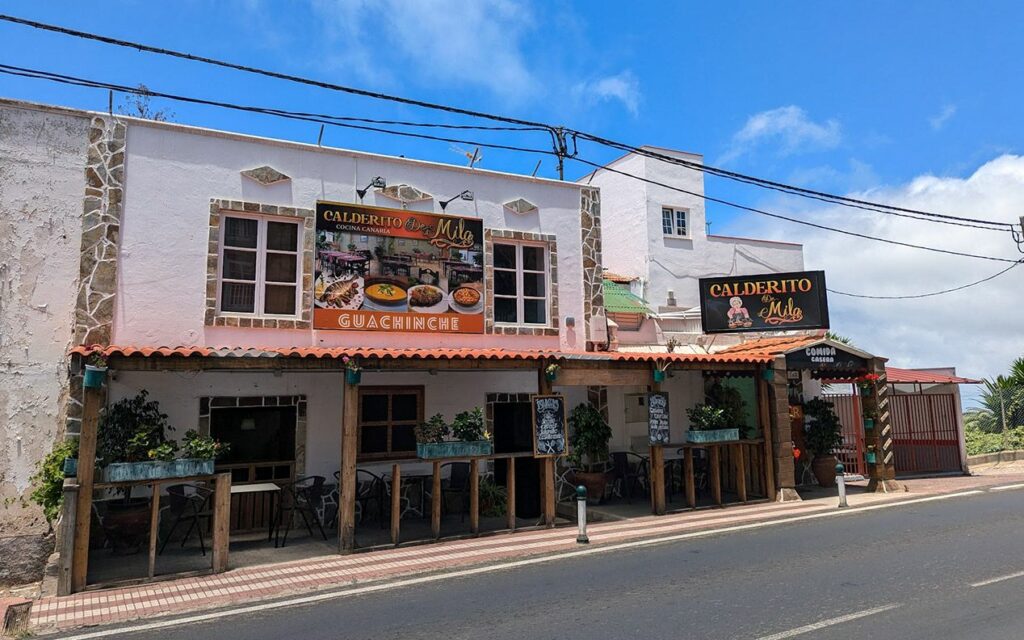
(251, 512)
(735, 467)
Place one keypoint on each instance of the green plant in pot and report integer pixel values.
(48, 480)
(588, 441)
(128, 430)
(469, 428)
(823, 435)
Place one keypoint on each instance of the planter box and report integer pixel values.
(94, 377)
(70, 467)
(155, 470)
(715, 435)
(353, 377)
(454, 449)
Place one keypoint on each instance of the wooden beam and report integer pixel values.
(510, 492)
(396, 502)
(222, 521)
(347, 494)
(604, 377)
(435, 501)
(716, 474)
(474, 497)
(67, 537)
(657, 479)
(154, 526)
(741, 472)
(764, 416)
(691, 484)
(91, 403)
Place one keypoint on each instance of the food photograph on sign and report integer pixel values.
(380, 269)
(766, 302)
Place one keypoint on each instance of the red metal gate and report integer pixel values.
(925, 436)
(851, 454)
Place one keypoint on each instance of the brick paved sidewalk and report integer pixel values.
(249, 584)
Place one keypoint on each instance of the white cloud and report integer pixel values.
(456, 42)
(789, 129)
(624, 87)
(978, 330)
(939, 120)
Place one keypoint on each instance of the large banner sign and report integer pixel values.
(766, 302)
(381, 269)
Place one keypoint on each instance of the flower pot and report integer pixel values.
(70, 467)
(869, 457)
(824, 469)
(156, 469)
(353, 377)
(713, 435)
(865, 391)
(869, 423)
(595, 482)
(94, 376)
(454, 449)
(659, 376)
(550, 375)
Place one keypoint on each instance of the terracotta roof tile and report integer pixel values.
(770, 346)
(617, 278)
(911, 376)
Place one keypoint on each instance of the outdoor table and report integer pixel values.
(271, 491)
(408, 481)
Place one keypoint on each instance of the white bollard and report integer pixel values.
(581, 515)
(841, 481)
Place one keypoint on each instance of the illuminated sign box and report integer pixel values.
(765, 302)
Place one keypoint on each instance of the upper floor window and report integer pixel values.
(520, 284)
(260, 269)
(674, 222)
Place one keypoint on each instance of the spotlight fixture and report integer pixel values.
(465, 195)
(377, 183)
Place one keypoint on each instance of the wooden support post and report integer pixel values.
(221, 521)
(741, 473)
(764, 416)
(396, 502)
(691, 482)
(510, 492)
(347, 494)
(657, 472)
(435, 501)
(716, 474)
(66, 539)
(474, 496)
(547, 465)
(93, 399)
(154, 525)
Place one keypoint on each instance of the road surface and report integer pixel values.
(944, 569)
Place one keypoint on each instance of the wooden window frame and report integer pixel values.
(390, 390)
(520, 296)
(261, 252)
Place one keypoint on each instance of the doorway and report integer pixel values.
(512, 427)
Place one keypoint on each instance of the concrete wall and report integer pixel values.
(174, 171)
(42, 164)
(685, 389)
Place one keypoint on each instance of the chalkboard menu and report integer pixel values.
(657, 417)
(549, 427)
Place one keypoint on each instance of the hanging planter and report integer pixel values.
(70, 467)
(551, 372)
(659, 375)
(865, 391)
(869, 424)
(94, 377)
(870, 457)
(353, 372)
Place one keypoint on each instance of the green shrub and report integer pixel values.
(48, 480)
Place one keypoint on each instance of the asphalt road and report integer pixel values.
(921, 560)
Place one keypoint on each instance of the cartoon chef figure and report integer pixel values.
(738, 314)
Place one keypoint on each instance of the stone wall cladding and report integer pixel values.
(590, 225)
(299, 402)
(213, 318)
(520, 330)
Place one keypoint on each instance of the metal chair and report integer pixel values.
(303, 496)
(457, 484)
(627, 475)
(371, 489)
(187, 503)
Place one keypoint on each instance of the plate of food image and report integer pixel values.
(466, 300)
(426, 298)
(385, 294)
(344, 293)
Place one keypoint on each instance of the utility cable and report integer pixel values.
(933, 293)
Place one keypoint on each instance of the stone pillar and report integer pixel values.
(881, 472)
(782, 436)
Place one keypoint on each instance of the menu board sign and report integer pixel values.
(766, 302)
(657, 417)
(380, 269)
(549, 426)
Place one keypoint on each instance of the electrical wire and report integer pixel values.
(557, 133)
(933, 293)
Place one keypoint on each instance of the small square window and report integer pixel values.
(674, 222)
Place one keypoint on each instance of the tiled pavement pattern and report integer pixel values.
(332, 572)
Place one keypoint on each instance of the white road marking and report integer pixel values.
(1008, 487)
(406, 582)
(829, 623)
(983, 583)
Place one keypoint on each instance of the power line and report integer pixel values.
(933, 293)
(557, 133)
(790, 219)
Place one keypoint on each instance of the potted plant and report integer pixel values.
(659, 371)
(430, 437)
(128, 431)
(709, 424)
(867, 383)
(588, 441)
(551, 372)
(199, 453)
(823, 434)
(48, 480)
(95, 371)
(870, 415)
(353, 372)
(671, 345)
(473, 438)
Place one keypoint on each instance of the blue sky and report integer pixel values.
(918, 102)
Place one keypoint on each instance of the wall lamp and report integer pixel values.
(465, 195)
(377, 183)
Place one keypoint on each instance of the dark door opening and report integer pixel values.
(513, 433)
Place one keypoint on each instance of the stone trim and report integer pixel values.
(490, 326)
(206, 403)
(590, 241)
(215, 319)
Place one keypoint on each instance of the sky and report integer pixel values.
(910, 103)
